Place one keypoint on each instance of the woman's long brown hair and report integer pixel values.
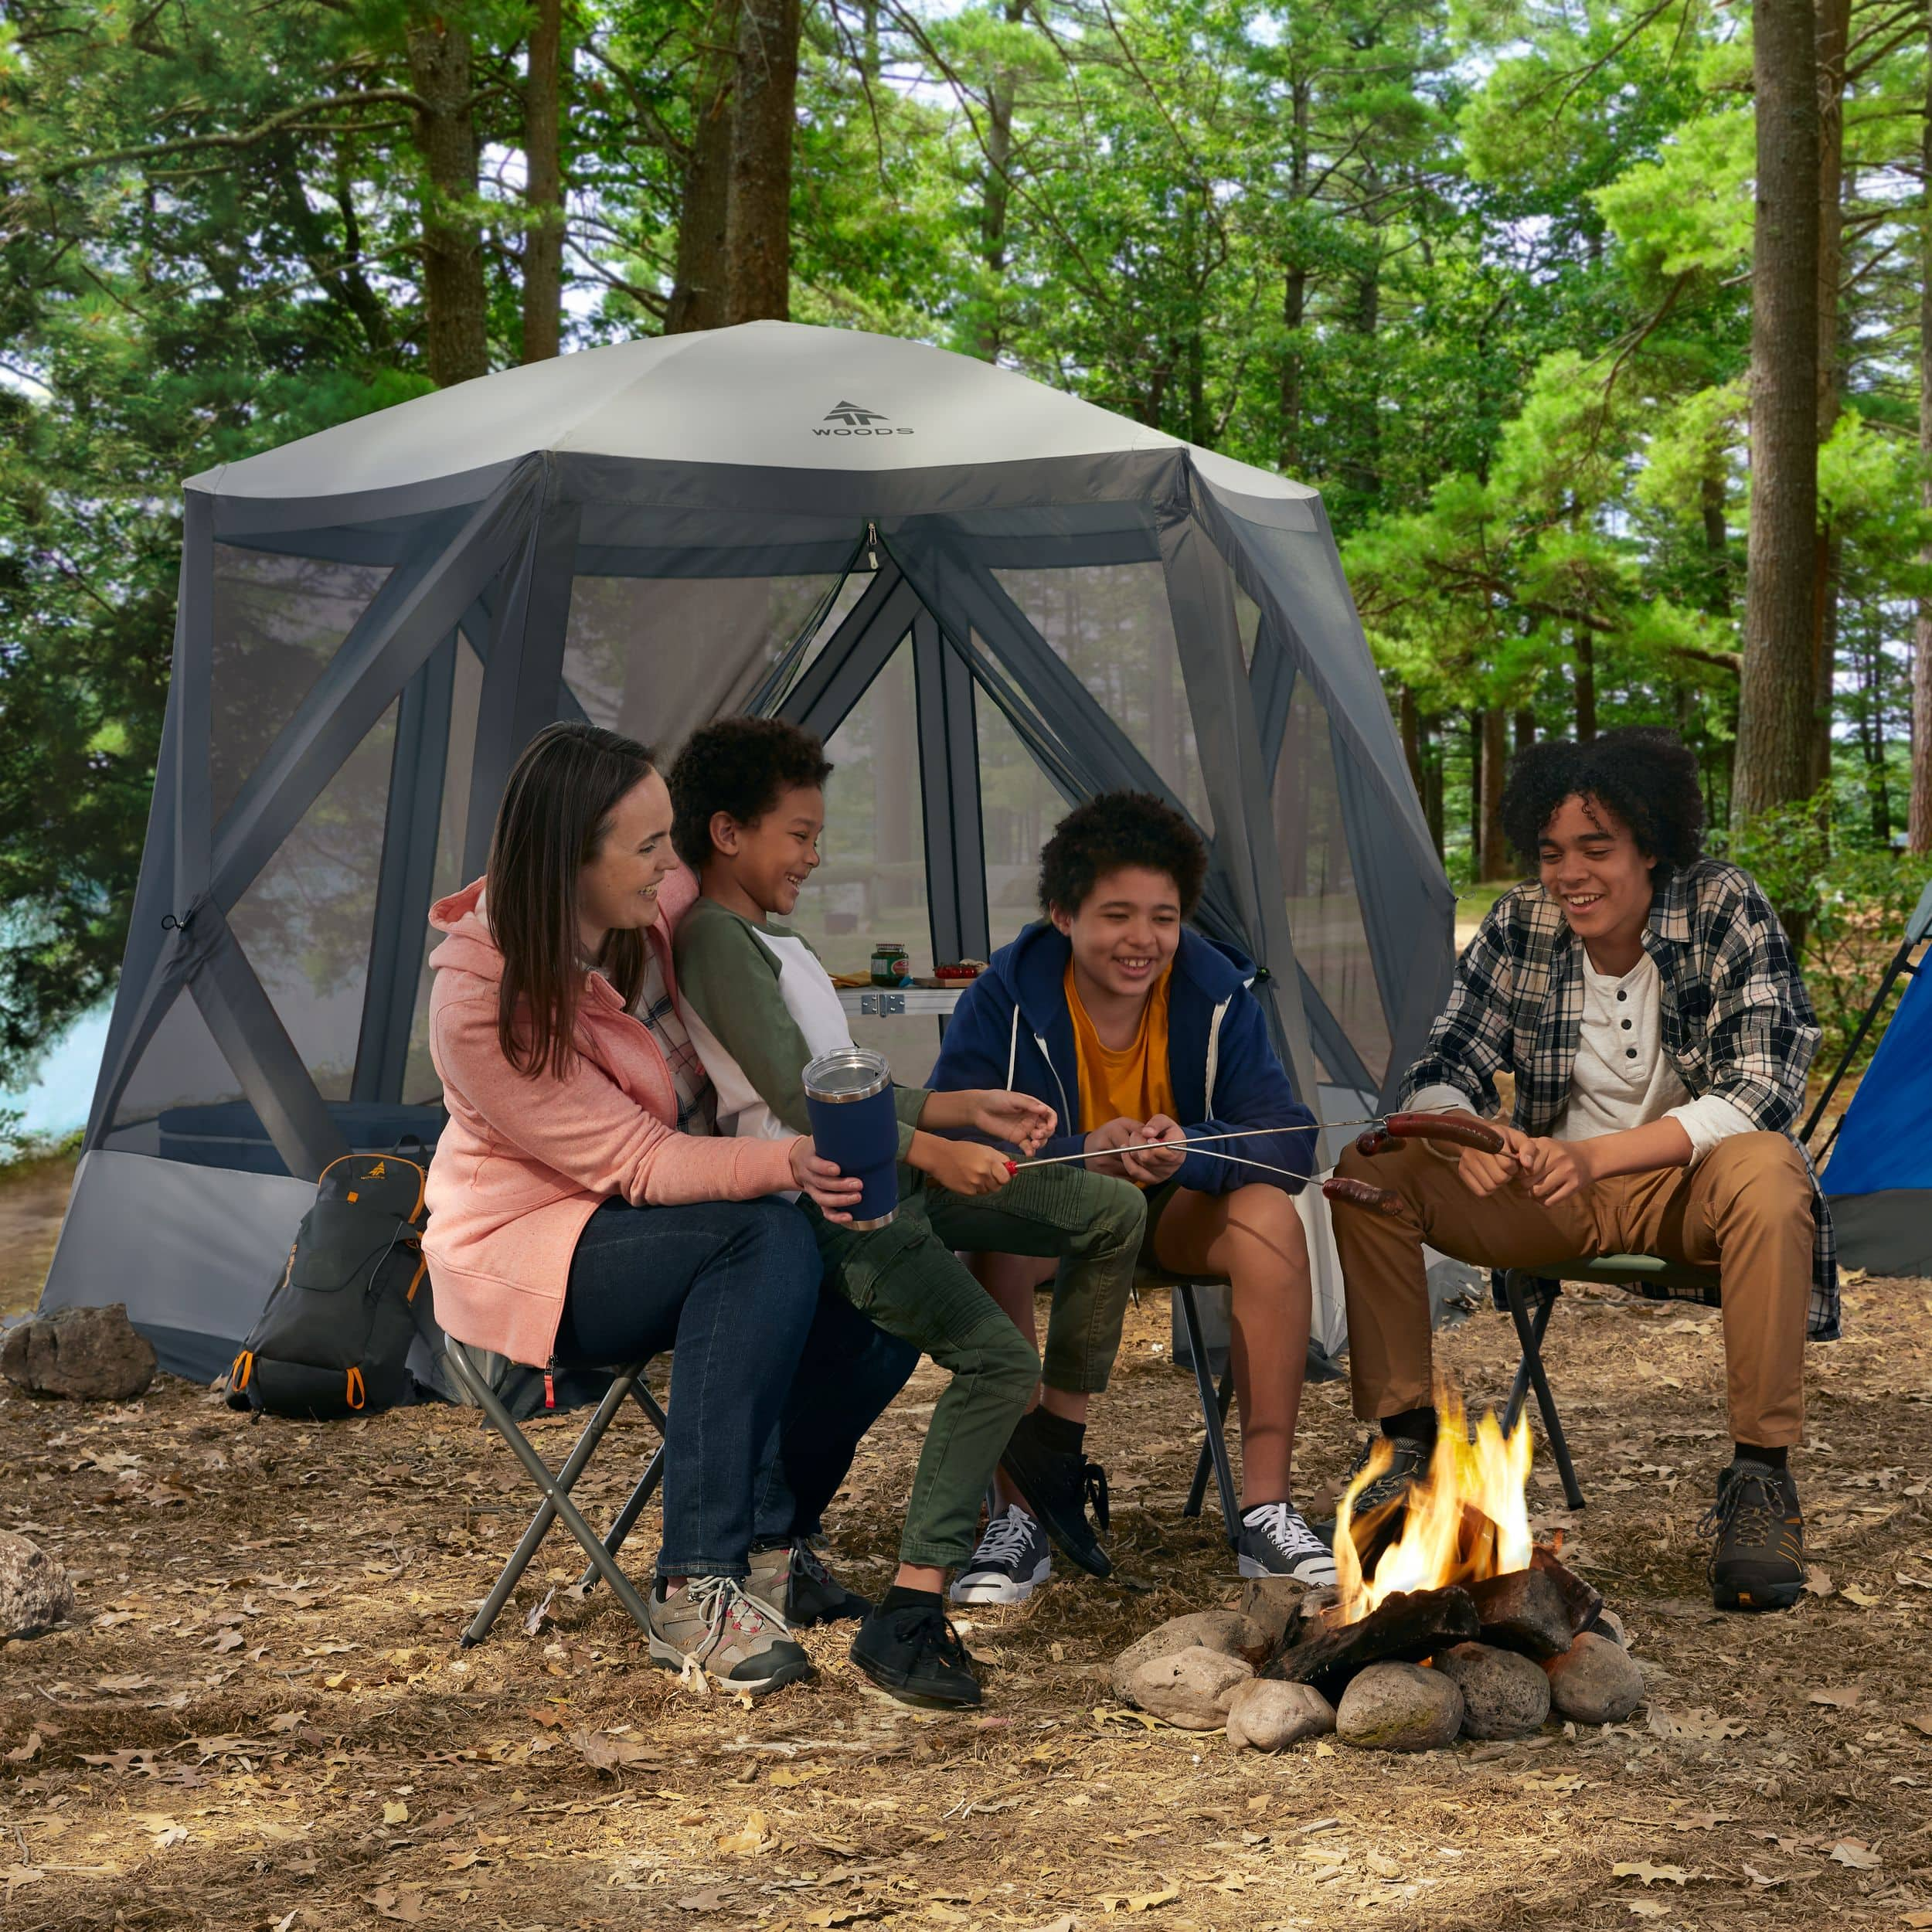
(555, 810)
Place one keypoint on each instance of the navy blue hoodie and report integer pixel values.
(1012, 1028)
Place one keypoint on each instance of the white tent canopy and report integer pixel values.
(992, 599)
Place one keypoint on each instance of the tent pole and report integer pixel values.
(949, 793)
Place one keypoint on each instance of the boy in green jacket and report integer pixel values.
(748, 799)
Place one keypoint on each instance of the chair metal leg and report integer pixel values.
(1519, 1388)
(1213, 1407)
(1204, 1462)
(627, 1517)
(556, 1499)
(1531, 1341)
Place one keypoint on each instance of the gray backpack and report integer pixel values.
(333, 1339)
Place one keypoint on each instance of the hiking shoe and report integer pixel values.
(1013, 1559)
(916, 1653)
(792, 1580)
(1759, 1563)
(1408, 1462)
(1059, 1486)
(1275, 1540)
(716, 1626)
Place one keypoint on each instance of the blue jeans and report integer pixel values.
(762, 1363)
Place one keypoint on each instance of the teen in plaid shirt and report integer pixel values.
(1647, 1005)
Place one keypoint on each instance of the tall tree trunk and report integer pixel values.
(1432, 784)
(1586, 687)
(1295, 284)
(1361, 460)
(1834, 27)
(1919, 833)
(996, 200)
(1475, 791)
(1495, 752)
(543, 185)
(759, 216)
(1717, 541)
(1524, 728)
(1409, 720)
(700, 282)
(1775, 695)
(455, 300)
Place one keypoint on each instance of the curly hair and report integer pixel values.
(1117, 829)
(1644, 775)
(740, 766)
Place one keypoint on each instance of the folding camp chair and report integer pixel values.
(1214, 1402)
(556, 1488)
(1517, 1288)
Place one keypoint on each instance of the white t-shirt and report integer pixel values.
(1622, 1077)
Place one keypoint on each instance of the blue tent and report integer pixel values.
(1880, 1177)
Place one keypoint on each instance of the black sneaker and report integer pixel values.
(1274, 1540)
(916, 1653)
(1013, 1559)
(1759, 1563)
(1408, 1462)
(1058, 1488)
(793, 1580)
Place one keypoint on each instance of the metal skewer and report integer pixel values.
(1199, 1140)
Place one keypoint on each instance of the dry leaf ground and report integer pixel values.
(261, 1718)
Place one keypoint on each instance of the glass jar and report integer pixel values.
(891, 965)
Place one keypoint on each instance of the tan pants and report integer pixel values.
(1744, 1210)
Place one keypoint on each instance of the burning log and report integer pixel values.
(1584, 1603)
(1404, 1628)
(1523, 1609)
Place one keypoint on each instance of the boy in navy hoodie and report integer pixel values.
(1144, 1037)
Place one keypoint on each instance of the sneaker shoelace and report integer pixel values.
(1093, 1489)
(1752, 1507)
(1007, 1539)
(1282, 1524)
(933, 1629)
(805, 1560)
(725, 1603)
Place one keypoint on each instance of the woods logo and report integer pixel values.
(855, 421)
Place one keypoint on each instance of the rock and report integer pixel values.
(1189, 1688)
(1504, 1694)
(35, 1593)
(93, 1355)
(1275, 1604)
(1523, 1609)
(1596, 1681)
(1606, 1623)
(1226, 1630)
(1267, 1716)
(1400, 1707)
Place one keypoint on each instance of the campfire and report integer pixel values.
(1468, 1523)
(1453, 1621)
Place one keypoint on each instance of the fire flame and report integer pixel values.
(1468, 1519)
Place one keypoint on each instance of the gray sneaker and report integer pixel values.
(1013, 1559)
(716, 1625)
(1274, 1540)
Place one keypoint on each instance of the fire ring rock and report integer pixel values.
(1504, 1694)
(1596, 1681)
(35, 1593)
(92, 1354)
(1266, 1716)
(1190, 1688)
(1225, 1631)
(1400, 1707)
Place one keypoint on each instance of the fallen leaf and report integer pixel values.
(124, 1683)
(286, 1720)
(1818, 1580)
(749, 1842)
(171, 1835)
(1863, 1598)
(1859, 1857)
(604, 1752)
(229, 1639)
(1646, 1874)
(548, 1714)
(1646, 1908)
(405, 1904)
(1145, 1901)
(1764, 1878)
(1703, 1726)
(1065, 1923)
(1921, 1721)
(1917, 1919)
(712, 1899)
(396, 1813)
(25, 1754)
(1840, 1699)
(1918, 1583)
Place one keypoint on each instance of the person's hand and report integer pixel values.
(1104, 1143)
(1482, 1174)
(1559, 1169)
(1018, 1117)
(1163, 1148)
(835, 1194)
(964, 1167)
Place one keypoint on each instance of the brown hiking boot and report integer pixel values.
(715, 1625)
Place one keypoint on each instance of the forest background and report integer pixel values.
(1602, 329)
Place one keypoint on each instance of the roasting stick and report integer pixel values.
(1198, 1140)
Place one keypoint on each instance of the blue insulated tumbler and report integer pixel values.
(849, 1093)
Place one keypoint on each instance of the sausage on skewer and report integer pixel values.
(1382, 1200)
(1464, 1130)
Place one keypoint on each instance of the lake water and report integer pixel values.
(56, 1102)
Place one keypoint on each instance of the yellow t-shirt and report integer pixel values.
(1134, 1082)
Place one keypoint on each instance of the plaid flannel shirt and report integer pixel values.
(1735, 1016)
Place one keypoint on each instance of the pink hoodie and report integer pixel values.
(525, 1162)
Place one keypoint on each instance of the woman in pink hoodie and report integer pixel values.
(584, 1213)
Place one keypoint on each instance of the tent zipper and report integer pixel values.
(872, 545)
